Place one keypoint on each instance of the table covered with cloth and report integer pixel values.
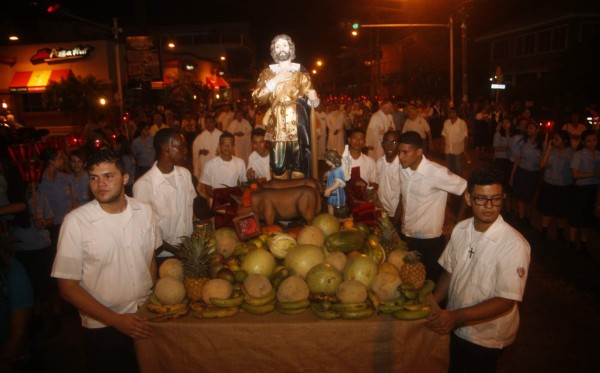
(292, 343)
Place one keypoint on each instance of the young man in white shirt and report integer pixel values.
(168, 188)
(380, 122)
(417, 123)
(106, 265)
(485, 265)
(241, 129)
(223, 171)
(365, 164)
(388, 173)
(424, 191)
(205, 145)
(455, 135)
(258, 162)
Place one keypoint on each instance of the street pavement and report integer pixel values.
(560, 312)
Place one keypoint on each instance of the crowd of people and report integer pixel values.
(393, 147)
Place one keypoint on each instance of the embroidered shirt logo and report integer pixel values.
(521, 272)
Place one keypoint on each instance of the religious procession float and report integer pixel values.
(351, 268)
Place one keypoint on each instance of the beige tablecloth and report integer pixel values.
(299, 343)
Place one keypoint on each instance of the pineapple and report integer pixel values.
(389, 238)
(195, 253)
(413, 271)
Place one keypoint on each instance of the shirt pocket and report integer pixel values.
(99, 250)
(484, 275)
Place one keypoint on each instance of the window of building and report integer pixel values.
(529, 44)
(559, 38)
(520, 46)
(545, 41)
(32, 102)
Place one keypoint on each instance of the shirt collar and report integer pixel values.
(98, 214)
(276, 68)
(494, 233)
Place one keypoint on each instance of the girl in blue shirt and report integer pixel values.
(585, 167)
(556, 185)
(525, 174)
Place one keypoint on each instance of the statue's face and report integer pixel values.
(282, 50)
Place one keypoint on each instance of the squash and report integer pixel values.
(323, 278)
(300, 259)
(171, 267)
(169, 291)
(257, 286)
(226, 240)
(345, 241)
(292, 289)
(352, 291)
(216, 288)
(311, 235)
(328, 224)
(361, 268)
(337, 259)
(386, 284)
(259, 261)
(280, 244)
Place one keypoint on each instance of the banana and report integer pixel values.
(269, 298)
(388, 309)
(258, 309)
(168, 316)
(322, 297)
(216, 312)
(357, 314)
(407, 286)
(161, 309)
(358, 306)
(302, 304)
(409, 294)
(290, 311)
(227, 303)
(322, 313)
(412, 315)
(427, 287)
(413, 307)
(374, 299)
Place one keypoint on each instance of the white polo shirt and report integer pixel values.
(221, 174)
(389, 184)
(419, 125)
(260, 165)
(368, 168)
(424, 193)
(454, 136)
(172, 198)
(498, 267)
(109, 254)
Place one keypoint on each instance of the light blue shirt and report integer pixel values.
(500, 140)
(143, 151)
(59, 195)
(530, 155)
(558, 168)
(584, 161)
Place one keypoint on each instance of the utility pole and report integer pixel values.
(463, 43)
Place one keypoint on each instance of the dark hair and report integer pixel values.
(225, 135)
(587, 133)
(512, 130)
(488, 175)
(47, 155)
(564, 136)
(355, 130)
(77, 153)
(105, 156)
(125, 145)
(411, 138)
(258, 132)
(333, 156)
(162, 137)
(392, 132)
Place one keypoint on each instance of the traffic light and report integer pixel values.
(355, 26)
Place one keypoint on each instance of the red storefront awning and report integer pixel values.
(216, 82)
(36, 81)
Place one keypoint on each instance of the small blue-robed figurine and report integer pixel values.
(336, 181)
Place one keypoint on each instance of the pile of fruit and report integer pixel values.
(336, 269)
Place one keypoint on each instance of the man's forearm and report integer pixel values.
(484, 311)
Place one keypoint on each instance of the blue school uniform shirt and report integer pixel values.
(500, 140)
(558, 168)
(530, 155)
(584, 161)
(59, 195)
(18, 295)
(32, 238)
(81, 188)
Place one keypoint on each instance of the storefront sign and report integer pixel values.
(143, 59)
(56, 55)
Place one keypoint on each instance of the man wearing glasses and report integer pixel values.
(168, 188)
(424, 188)
(485, 271)
(388, 173)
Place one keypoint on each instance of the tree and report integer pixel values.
(74, 95)
(179, 94)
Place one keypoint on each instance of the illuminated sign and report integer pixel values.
(55, 55)
(498, 86)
